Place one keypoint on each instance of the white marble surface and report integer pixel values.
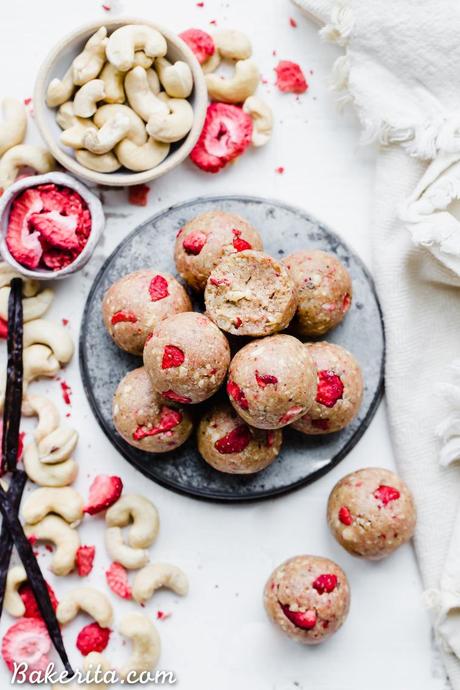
(219, 637)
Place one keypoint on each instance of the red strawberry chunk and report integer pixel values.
(103, 492)
(237, 395)
(194, 243)
(169, 419)
(330, 388)
(24, 245)
(158, 288)
(172, 357)
(138, 195)
(291, 414)
(322, 424)
(264, 380)
(27, 642)
(117, 580)
(122, 317)
(92, 638)
(85, 560)
(56, 230)
(290, 78)
(200, 42)
(3, 328)
(270, 438)
(386, 494)
(235, 441)
(30, 603)
(346, 302)
(345, 516)
(172, 395)
(239, 244)
(325, 583)
(302, 619)
(238, 322)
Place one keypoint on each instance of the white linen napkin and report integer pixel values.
(401, 71)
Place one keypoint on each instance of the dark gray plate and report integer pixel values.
(302, 459)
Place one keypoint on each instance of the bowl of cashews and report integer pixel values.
(120, 104)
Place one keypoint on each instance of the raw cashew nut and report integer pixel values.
(173, 125)
(127, 39)
(177, 78)
(143, 515)
(61, 474)
(90, 664)
(140, 96)
(13, 603)
(29, 287)
(58, 446)
(88, 64)
(60, 90)
(142, 60)
(24, 155)
(212, 63)
(105, 163)
(87, 599)
(146, 645)
(14, 126)
(84, 103)
(113, 84)
(66, 540)
(48, 416)
(74, 127)
(144, 157)
(39, 361)
(156, 575)
(65, 116)
(52, 334)
(237, 88)
(153, 81)
(65, 502)
(232, 44)
(32, 307)
(262, 119)
(132, 559)
(106, 113)
(103, 140)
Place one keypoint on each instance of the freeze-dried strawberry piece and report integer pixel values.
(345, 516)
(169, 419)
(56, 230)
(237, 322)
(239, 244)
(172, 357)
(85, 560)
(264, 380)
(3, 328)
(194, 243)
(27, 642)
(330, 388)
(270, 438)
(346, 302)
(226, 134)
(291, 414)
(290, 78)
(235, 441)
(172, 395)
(117, 580)
(55, 259)
(200, 42)
(325, 583)
(123, 316)
(237, 395)
(138, 195)
(92, 638)
(385, 494)
(302, 619)
(158, 288)
(30, 603)
(24, 245)
(218, 281)
(103, 492)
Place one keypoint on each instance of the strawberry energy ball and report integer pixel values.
(203, 241)
(250, 293)
(135, 305)
(143, 419)
(339, 390)
(187, 358)
(272, 382)
(228, 444)
(371, 512)
(308, 597)
(324, 291)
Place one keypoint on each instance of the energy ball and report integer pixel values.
(324, 291)
(339, 390)
(228, 444)
(308, 597)
(250, 293)
(371, 512)
(143, 419)
(203, 241)
(135, 305)
(187, 358)
(272, 382)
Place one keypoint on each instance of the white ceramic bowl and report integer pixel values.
(97, 223)
(57, 63)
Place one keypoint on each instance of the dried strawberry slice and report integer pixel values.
(138, 195)
(92, 638)
(238, 395)
(291, 414)
(117, 580)
(55, 259)
(3, 328)
(56, 230)
(30, 603)
(194, 243)
(122, 317)
(200, 42)
(330, 388)
(172, 357)
(264, 380)
(345, 516)
(385, 494)
(27, 642)
(346, 302)
(158, 288)
(24, 245)
(169, 419)
(239, 243)
(103, 492)
(176, 397)
(302, 619)
(325, 583)
(290, 78)
(85, 560)
(235, 441)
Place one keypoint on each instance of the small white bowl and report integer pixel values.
(97, 223)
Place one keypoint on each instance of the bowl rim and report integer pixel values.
(128, 178)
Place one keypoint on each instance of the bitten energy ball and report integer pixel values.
(308, 597)
(187, 358)
(272, 382)
(143, 419)
(339, 390)
(324, 291)
(230, 445)
(250, 293)
(202, 243)
(371, 512)
(135, 305)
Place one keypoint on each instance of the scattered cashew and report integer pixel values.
(38, 361)
(103, 140)
(88, 64)
(174, 125)
(143, 515)
(105, 163)
(60, 90)
(113, 84)
(153, 81)
(156, 575)
(14, 125)
(106, 113)
(84, 103)
(123, 43)
(66, 540)
(143, 157)
(24, 155)
(58, 446)
(64, 501)
(146, 645)
(90, 664)
(32, 307)
(61, 474)
(7, 273)
(212, 63)
(142, 60)
(13, 602)
(237, 88)
(176, 78)
(262, 119)
(232, 44)
(51, 334)
(86, 599)
(140, 96)
(48, 416)
(130, 558)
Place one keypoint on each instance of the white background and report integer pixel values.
(219, 637)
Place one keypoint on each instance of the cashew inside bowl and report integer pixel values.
(88, 64)
(173, 125)
(124, 41)
(176, 79)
